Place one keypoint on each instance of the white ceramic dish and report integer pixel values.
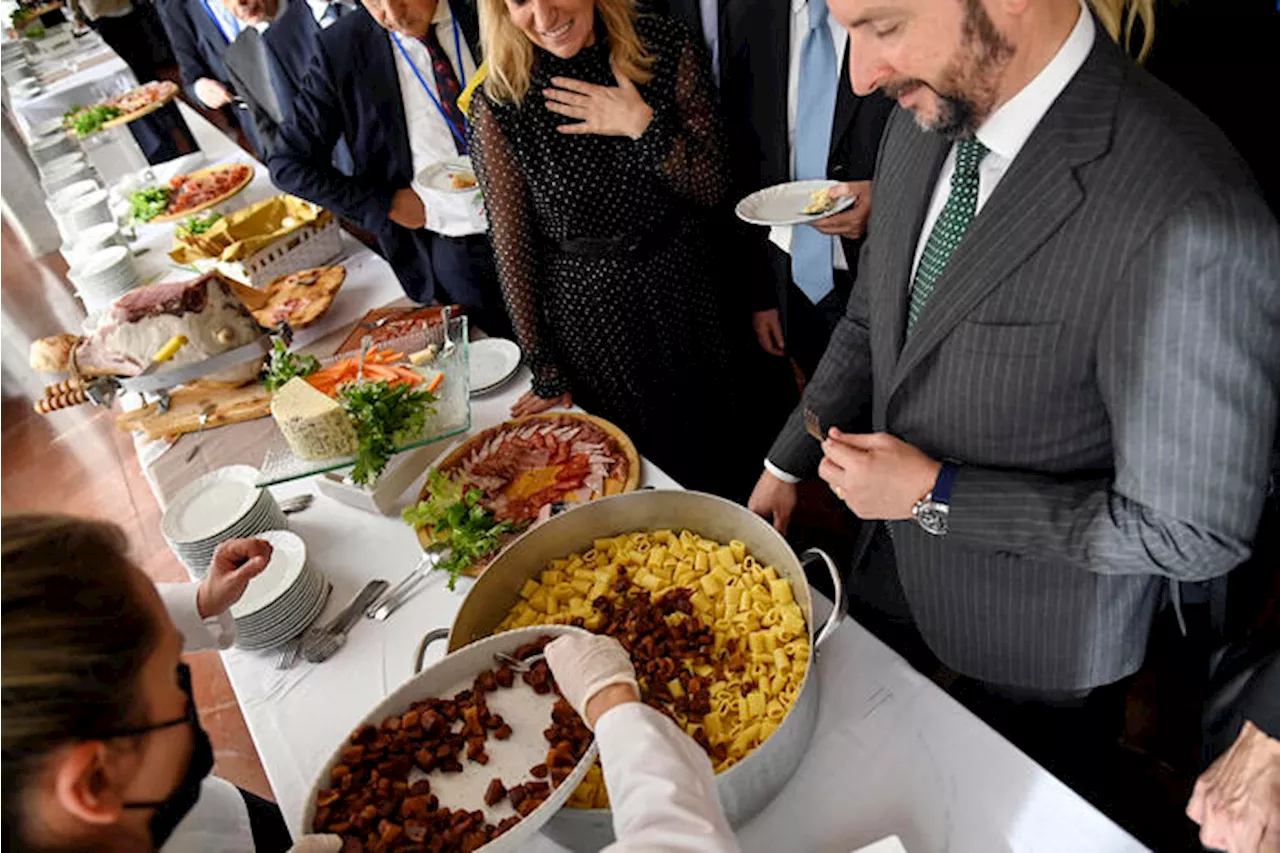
(62, 161)
(439, 176)
(65, 196)
(491, 362)
(782, 204)
(288, 556)
(526, 712)
(211, 504)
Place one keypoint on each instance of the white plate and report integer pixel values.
(211, 504)
(781, 204)
(295, 626)
(510, 760)
(492, 361)
(884, 845)
(437, 176)
(288, 556)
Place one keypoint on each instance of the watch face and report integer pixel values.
(933, 518)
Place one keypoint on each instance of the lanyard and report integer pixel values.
(454, 129)
(217, 22)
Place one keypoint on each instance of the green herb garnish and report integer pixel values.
(284, 365)
(91, 119)
(196, 225)
(146, 204)
(385, 416)
(456, 518)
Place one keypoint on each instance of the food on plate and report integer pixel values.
(386, 417)
(189, 194)
(390, 324)
(284, 365)
(205, 310)
(461, 180)
(300, 298)
(87, 121)
(525, 465)
(718, 641)
(53, 354)
(145, 97)
(379, 366)
(314, 425)
(452, 514)
(194, 226)
(820, 201)
(381, 795)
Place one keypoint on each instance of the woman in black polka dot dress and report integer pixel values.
(598, 191)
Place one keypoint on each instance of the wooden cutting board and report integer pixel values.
(231, 406)
(400, 321)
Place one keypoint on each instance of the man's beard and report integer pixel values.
(967, 94)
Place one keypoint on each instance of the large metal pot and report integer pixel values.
(747, 787)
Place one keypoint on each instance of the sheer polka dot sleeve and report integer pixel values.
(685, 140)
(512, 231)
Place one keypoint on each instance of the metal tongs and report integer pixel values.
(389, 603)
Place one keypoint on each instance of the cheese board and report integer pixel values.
(196, 407)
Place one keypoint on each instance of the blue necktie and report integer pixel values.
(811, 251)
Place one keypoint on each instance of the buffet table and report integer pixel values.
(892, 754)
(85, 72)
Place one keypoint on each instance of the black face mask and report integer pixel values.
(172, 809)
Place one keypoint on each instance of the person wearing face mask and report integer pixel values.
(601, 157)
(385, 79)
(102, 747)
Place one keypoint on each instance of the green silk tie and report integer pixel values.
(949, 230)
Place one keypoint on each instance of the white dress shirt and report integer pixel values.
(430, 139)
(1003, 133)
(319, 7)
(219, 823)
(781, 235)
(662, 789)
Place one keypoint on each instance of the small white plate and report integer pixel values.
(781, 204)
(492, 362)
(439, 176)
(288, 556)
(211, 504)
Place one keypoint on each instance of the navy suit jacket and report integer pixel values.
(198, 43)
(352, 93)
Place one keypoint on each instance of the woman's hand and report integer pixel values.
(235, 563)
(531, 404)
(606, 110)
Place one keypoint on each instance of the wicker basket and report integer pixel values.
(309, 246)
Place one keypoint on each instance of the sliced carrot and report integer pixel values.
(435, 382)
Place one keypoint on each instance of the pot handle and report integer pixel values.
(431, 637)
(841, 608)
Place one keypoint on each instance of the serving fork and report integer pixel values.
(318, 645)
(520, 665)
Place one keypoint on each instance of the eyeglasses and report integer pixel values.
(189, 718)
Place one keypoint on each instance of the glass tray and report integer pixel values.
(452, 415)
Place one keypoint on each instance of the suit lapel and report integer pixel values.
(846, 106)
(384, 78)
(1033, 199)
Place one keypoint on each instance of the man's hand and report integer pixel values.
(1237, 800)
(235, 563)
(851, 223)
(768, 328)
(877, 475)
(606, 110)
(773, 500)
(212, 94)
(407, 209)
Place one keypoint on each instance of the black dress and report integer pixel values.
(607, 262)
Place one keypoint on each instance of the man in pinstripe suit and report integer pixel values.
(1057, 380)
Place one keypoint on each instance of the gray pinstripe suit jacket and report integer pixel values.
(1101, 355)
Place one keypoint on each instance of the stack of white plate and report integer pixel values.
(93, 239)
(45, 148)
(284, 600)
(90, 209)
(48, 127)
(103, 276)
(62, 172)
(223, 504)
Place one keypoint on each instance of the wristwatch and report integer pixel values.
(931, 511)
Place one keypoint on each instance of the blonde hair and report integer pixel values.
(1119, 16)
(508, 53)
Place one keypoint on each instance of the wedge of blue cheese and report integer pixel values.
(315, 425)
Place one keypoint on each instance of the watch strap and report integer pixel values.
(944, 484)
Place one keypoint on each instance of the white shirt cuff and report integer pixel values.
(198, 634)
(779, 473)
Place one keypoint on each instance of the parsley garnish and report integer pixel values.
(457, 518)
(284, 365)
(385, 416)
(146, 204)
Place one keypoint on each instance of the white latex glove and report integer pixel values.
(585, 665)
(212, 93)
(317, 844)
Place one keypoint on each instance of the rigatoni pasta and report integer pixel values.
(719, 642)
